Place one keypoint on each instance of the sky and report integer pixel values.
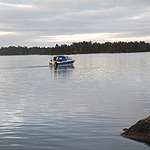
(46, 23)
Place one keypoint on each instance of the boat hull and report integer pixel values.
(63, 63)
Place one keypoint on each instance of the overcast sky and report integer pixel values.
(51, 22)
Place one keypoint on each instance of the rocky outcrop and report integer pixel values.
(140, 131)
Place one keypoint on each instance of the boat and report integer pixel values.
(57, 61)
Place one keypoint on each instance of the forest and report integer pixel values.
(79, 48)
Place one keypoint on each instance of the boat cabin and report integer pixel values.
(60, 58)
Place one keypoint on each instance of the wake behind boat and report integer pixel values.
(61, 61)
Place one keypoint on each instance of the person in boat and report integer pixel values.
(60, 59)
(54, 58)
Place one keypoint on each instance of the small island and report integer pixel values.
(79, 48)
(139, 131)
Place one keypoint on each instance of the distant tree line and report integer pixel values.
(79, 48)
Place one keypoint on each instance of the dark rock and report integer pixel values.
(125, 129)
(139, 132)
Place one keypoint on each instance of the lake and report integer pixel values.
(85, 107)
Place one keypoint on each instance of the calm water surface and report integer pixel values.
(80, 108)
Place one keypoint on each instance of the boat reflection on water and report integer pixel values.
(62, 72)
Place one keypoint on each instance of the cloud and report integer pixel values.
(6, 33)
(47, 22)
(76, 37)
(9, 5)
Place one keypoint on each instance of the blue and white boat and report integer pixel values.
(61, 61)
